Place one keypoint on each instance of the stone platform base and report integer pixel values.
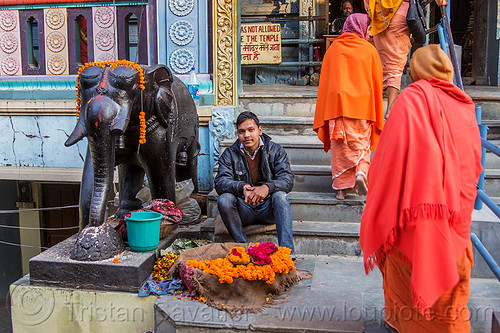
(53, 267)
(42, 309)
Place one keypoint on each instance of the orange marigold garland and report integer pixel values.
(114, 64)
(142, 127)
(227, 271)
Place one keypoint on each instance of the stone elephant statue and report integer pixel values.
(112, 98)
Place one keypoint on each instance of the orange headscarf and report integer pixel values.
(422, 187)
(350, 86)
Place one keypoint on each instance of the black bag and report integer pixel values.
(416, 21)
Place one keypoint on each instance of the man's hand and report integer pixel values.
(247, 190)
(255, 195)
(441, 2)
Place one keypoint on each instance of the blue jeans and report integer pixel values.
(274, 209)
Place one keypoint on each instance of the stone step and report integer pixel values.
(492, 182)
(297, 101)
(493, 129)
(279, 100)
(327, 238)
(313, 206)
(303, 146)
(318, 178)
(301, 150)
(288, 126)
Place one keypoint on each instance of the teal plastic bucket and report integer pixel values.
(143, 231)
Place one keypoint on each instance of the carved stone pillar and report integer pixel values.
(221, 128)
(225, 34)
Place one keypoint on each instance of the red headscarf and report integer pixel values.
(356, 23)
(422, 187)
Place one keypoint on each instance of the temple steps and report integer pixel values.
(333, 238)
(287, 114)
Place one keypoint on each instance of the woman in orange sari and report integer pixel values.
(416, 223)
(349, 111)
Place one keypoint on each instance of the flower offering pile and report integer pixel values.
(160, 282)
(261, 262)
(163, 265)
(236, 277)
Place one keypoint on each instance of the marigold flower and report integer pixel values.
(163, 265)
(227, 271)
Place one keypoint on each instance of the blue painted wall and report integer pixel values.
(205, 172)
(39, 141)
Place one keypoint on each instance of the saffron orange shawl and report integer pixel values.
(422, 187)
(350, 86)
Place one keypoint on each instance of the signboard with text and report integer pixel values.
(260, 43)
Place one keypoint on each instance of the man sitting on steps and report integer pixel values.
(253, 180)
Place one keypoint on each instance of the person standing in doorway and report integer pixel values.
(346, 10)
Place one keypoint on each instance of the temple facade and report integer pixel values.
(44, 42)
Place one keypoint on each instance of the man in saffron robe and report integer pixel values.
(417, 219)
(349, 111)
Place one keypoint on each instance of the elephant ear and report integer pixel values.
(165, 104)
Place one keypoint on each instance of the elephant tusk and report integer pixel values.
(78, 133)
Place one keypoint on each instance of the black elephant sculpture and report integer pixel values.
(123, 104)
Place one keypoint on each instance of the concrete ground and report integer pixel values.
(339, 298)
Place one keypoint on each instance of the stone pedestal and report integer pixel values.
(54, 267)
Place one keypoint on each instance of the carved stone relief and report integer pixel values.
(104, 30)
(10, 51)
(56, 64)
(9, 43)
(8, 20)
(104, 17)
(54, 18)
(56, 41)
(181, 60)
(56, 45)
(181, 7)
(10, 65)
(181, 32)
(221, 128)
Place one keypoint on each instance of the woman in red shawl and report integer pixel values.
(349, 111)
(417, 219)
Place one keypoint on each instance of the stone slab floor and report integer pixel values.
(339, 298)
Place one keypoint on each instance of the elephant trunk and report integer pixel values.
(102, 111)
(102, 164)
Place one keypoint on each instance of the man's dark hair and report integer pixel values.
(245, 116)
(343, 2)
